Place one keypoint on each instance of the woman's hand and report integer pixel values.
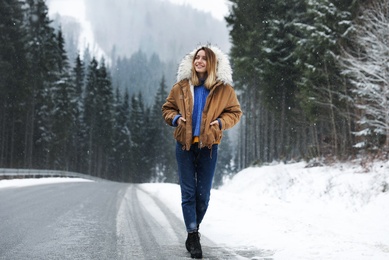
(215, 122)
(181, 119)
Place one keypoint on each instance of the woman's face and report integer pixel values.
(200, 63)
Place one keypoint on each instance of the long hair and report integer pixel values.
(211, 68)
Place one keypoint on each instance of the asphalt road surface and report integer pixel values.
(93, 220)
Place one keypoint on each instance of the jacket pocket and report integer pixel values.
(180, 133)
(214, 134)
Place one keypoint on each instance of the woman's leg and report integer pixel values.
(205, 168)
(187, 176)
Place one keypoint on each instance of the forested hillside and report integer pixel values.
(312, 78)
(80, 114)
(142, 39)
(58, 116)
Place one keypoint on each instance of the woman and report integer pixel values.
(201, 105)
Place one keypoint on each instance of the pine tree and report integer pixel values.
(99, 120)
(90, 115)
(42, 50)
(79, 143)
(140, 170)
(249, 22)
(148, 133)
(163, 159)
(104, 122)
(279, 73)
(321, 86)
(224, 166)
(63, 111)
(14, 85)
(87, 58)
(122, 138)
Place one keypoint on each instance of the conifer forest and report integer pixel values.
(312, 78)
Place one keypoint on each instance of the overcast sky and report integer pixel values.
(76, 8)
(218, 8)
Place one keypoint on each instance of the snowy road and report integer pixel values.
(92, 220)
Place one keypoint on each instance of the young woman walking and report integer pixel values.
(201, 105)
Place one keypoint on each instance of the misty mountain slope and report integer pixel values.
(144, 40)
(140, 73)
(122, 27)
(71, 29)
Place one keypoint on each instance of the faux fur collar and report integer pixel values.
(223, 70)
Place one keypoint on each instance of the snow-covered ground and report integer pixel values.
(293, 212)
(40, 181)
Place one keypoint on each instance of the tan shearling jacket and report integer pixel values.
(221, 103)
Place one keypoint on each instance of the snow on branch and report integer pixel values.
(367, 66)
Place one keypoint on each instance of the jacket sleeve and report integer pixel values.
(170, 109)
(232, 112)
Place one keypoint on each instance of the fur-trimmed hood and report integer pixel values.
(223, 70)
(221, 104)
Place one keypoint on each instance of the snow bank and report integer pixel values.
(288, 211)
(345, 184)
(40, 181)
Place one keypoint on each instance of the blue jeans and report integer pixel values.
(196, 169)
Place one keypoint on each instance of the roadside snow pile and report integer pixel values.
(39, 181)
(298, 212)
(346, 184)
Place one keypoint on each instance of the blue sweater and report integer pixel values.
(200, 96)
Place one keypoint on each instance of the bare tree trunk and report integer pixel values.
(264, 138)
(334, 134)
(29, 135)
(386, 146)
(256, 129)
(12, 144)
(2, 136)
(272, 146)
(241, 150)
(90, 153)
(281, 138)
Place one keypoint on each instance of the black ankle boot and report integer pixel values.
(193, 245)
